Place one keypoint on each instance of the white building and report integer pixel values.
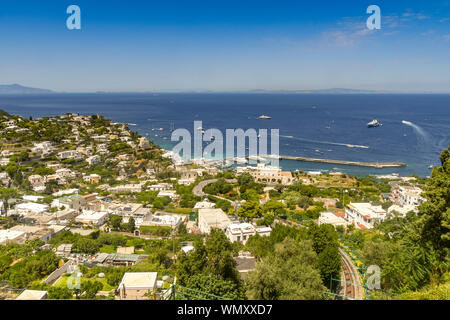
(408, 195)
(36, 179)
(65, 173)
(185, 182)
(65, 192)
(43, 148)
(241, 232)
(4, 161)
(69, 154)
(6, 153)
(402, 210)
(128, 210)
(32, 295)
(163, 220)
(137, 285)
(172, 194)
(92, 178)
(8, 235)
(204, 205)
(32, 198)
(126, 188)
(95, 218)
(144, 143)
(30, 208)
(101, 138)
(160, 187)
(92, 161)
(331, 218)
(364, 215)
(212, 218)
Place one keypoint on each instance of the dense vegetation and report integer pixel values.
(210, 267)
(290, 255)
(413, 253)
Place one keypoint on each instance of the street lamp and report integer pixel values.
(343, 201)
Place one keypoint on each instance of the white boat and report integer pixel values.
(374, 123)
(264, 117)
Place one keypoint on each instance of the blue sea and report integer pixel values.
(310, 125)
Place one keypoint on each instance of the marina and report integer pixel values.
(377, 165)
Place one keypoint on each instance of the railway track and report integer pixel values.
(351, 287)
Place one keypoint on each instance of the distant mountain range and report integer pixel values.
(321, 91)
(18, 89)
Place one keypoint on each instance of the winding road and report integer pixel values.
(198, 189)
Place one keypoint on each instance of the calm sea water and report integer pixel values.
(310, 125)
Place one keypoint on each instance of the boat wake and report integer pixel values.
(417, 129)
(327, 142)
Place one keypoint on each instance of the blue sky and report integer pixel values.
(226, 45)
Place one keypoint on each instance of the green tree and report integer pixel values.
(212, 258)
(115, 221)
(59, 293)
(250, 210)
(434, 222)
(5, 195)
(131, 225)
(90, 289)
(329, 264)
(85, 245)
(288, 273)
(275, 207)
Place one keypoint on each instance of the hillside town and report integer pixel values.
(85, 200)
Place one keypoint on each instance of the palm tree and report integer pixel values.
(5, 195)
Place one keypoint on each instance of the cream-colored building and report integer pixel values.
(32, 295)
(212, 218)
(331, 218)
(94, 218)
(137, 285)
(268, 174)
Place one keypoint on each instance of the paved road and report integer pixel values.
(198, 189)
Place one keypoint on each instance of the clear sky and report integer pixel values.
(225, 45)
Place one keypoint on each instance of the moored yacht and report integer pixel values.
(374, 123)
